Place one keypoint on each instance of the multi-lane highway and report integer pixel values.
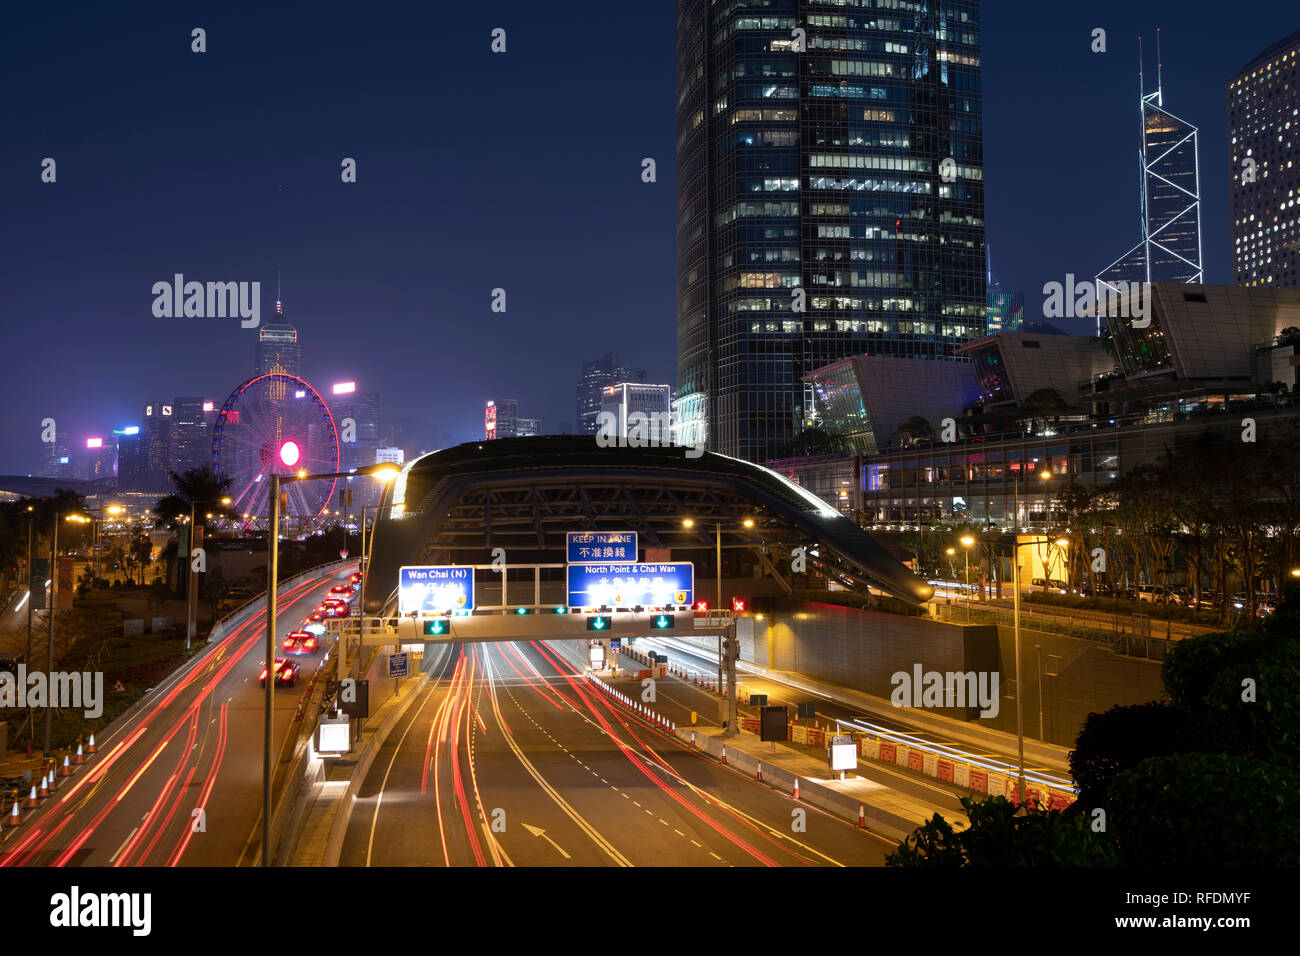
(194, 743)
(511, 758)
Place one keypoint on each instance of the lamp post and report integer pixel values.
(31, 520)
(289, 454)
(192, 581)
(49, 611)
(1045, 474)
(717, 530)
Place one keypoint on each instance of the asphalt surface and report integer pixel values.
(511, 758)
(193, 743)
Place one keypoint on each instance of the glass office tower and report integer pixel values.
(1264, 176)
(829, 155)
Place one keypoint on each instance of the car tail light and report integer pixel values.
(263, 675)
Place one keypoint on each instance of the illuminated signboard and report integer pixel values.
(343, 388)
(94, 443)
(631, 585)
(601, 547)
(490, 421)
(435, 590)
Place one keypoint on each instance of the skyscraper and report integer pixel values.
(830, 202)
(277, 350)
(193, 432)
(1169, 200)
(1264, 177)
(597, 376)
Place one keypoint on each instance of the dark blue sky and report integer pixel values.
(475, 171)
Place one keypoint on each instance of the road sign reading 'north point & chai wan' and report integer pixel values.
(631, 585)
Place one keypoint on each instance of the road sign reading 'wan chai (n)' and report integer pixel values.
(435, 590)
(601, 547)
(631, 585)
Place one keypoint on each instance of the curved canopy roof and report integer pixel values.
(456, 505)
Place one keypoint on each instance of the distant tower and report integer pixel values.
(1169, 197)
(277, 350)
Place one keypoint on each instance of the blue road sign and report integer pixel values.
(396, 665)
(435, 590)
(601, 547)
(631, 585)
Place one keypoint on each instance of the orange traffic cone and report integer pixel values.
(90, 747)
(80, 758)
(724, 753)
(692, 738)
(14, 819)
(32, 803)
(796, 788)
(760, 773)
(862, 816)
(66, 769)
(44, 790)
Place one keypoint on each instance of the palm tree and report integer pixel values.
(193, 486)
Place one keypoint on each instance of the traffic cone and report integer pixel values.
(32, 803)
(44, 790)
(796, 788)
(760, 773)
(862, 816)
(66, 769)
(724, 753)
(90, 746)
(53, 778)
(14, 819)
(80, 758)
(692, 738)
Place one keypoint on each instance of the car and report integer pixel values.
(313, 625)
(1052, 584)
(333, 608)
(355, 577)
(343, 591)
(299, 642)
(286, 673)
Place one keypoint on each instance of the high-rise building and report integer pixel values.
(1006, 310)
(643, 410)
(356, 415)
(1263, 130)
(277, 350)
(158, 451)
(1169, 200)
(56, 462)
(597, 376)
(501, 420)
(830, 202)
(193, 432)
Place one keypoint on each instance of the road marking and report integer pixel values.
(678, 832)
(124, 843)
(715, 856)
(539, 832)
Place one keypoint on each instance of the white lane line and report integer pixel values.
(124, 843)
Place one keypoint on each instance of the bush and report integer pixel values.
(1206, 810)
(1122, 737)
(998, 836)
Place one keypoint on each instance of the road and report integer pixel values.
(510, 758)
(694, 659)
(193, 743)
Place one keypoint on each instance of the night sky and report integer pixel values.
(474, 171)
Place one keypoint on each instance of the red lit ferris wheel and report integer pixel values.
(276, 423)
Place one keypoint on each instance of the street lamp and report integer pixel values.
(191, 580)
(717, 528)
(1045, 474)
(289, 454)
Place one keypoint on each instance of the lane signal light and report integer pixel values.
(437, 626)
(701, 605)
(522, 610)
(738, 605)
(599, 622)
(561, 610)
(661, 621)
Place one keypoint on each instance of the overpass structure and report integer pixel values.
(504, 507)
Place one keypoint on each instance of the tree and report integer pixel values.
(915, 429)
(199, 486)
(140, 552)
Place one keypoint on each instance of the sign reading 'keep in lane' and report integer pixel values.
(601, 547)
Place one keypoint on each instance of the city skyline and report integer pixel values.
(111, 211)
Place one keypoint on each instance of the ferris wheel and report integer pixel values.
(276, 424)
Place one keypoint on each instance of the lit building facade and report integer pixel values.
(1263, 173)
(597, 376)
(277, 350)
(830, 202)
